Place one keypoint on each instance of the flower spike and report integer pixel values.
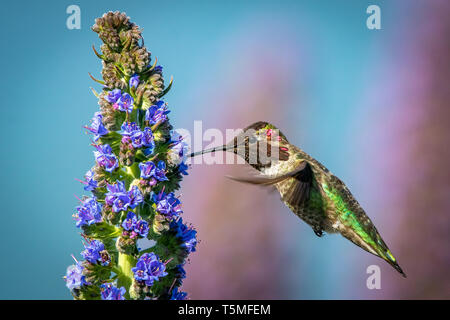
(138, 167)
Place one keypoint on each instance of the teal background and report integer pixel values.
(46, 100)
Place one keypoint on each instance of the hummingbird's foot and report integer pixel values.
(318, 232)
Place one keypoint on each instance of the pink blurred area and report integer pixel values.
(247, 236)
(410, 154)
(239, 226)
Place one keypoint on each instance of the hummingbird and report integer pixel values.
(306, 187)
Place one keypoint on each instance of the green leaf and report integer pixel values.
(101, 231)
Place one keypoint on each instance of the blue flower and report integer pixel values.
(95, 252)
(148, 151)
(140, 271)
(151, 171)
(147, 169)
(148, 139)
(121, 202)
(179, 149)
(113, 96)
(97, 127)
(158, 69)
(176, 295)
(125, 103)
(89, 212)
(187, 235)
(167, 204)
(134, 81)
(113, 191)
(182, 168)
(74, 277)
(90, 183)
(149, 269)
(135, 197)
(157, 113)
(120, 199)
(106, 158)
(160, 171)
(141, 228)
(128, 128)
(130, 221)
(137, 139)
(110, 292)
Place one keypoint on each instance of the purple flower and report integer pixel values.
(179, 149)
(106, 158)
(151, 171)
(74, 277)
(137, 139)
(167, 204)
(182, 168)
(90, 183)
(89, 212)
(134, 81)
(130, 221)
(125, 103)
(158, 69)
(141, 228)
(120, 199)
(121, 202)
(113, 96)
(187, 235)
(135, 197)
(95, 253)
(110, 292)
(149, 269)
(128, 128)
(148, 169)
(178, 295)
(140, 271)
(160, 171)
(148, 139)
(97, 127)
(113, 191)
(156, 113)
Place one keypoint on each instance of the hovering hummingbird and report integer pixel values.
(306, 186)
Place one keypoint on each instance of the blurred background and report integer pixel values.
(371, 105)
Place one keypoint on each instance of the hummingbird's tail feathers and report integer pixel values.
(389, 258)
(375, 246)
(384, 253)
(399, 269)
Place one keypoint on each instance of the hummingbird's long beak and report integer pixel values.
(221, 148)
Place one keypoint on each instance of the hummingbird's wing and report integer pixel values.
(297, 192)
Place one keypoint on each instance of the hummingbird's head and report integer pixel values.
(255, 140)
(264, 131)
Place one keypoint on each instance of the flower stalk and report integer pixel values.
(136, 243)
